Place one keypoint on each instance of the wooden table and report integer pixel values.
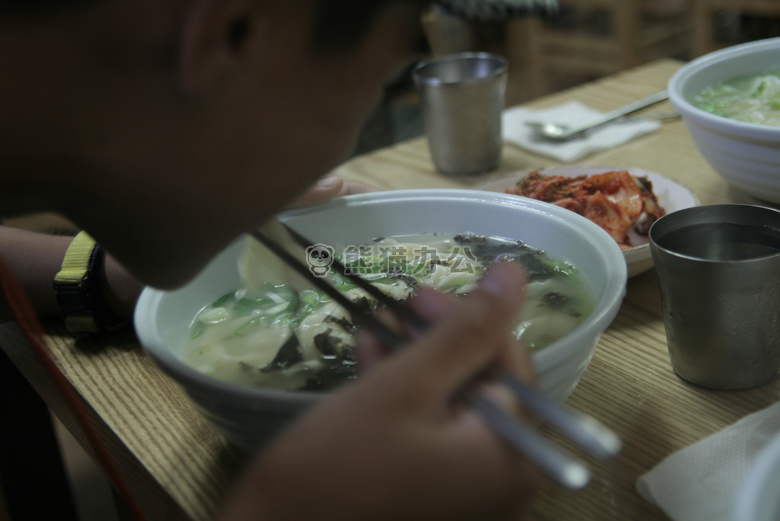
(178, 468)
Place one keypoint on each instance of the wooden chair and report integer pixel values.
(594, 38)
(705, 15)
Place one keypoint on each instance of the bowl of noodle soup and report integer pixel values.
(730, 102)
(249, 412)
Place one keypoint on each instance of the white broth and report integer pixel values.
(276, 336)
(752, 98)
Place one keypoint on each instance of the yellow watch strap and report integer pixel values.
(74, 270)
(79, 289)
(75, 265)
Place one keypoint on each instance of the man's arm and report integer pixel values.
(35, 258)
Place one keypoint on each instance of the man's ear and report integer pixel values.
(213, 42)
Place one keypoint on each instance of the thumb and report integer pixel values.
(329, 187)
(326, 189)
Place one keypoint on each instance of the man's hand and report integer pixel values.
(329, 187)
(394, 445)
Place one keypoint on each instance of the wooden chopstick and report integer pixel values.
(585, 431)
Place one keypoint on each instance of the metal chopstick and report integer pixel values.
(589, 433)
(586, 431)
(555, 462)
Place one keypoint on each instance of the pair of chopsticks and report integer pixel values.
(585, 431)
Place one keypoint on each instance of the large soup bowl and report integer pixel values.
(249, 417)
(747, 155)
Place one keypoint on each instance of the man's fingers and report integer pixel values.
(468, 334)
(370, 349)
(329, 187)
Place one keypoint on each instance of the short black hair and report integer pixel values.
(340, 25)
(31, 9)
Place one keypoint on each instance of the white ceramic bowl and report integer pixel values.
(248, 417)
(747, 155)
(758, 499)
(671, 196)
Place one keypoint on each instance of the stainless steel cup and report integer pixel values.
(462, 98)
(718, 268)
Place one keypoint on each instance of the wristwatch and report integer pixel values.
(79, 289)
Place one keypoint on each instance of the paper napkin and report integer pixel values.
(572, 113)
(699, 483)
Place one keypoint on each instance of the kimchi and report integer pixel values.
(617, 201)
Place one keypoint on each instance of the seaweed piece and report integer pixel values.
(343, 322)
(535, 267)
(337, 373)
(400, 274)
(490, 250)
(327, 344)
(289, 354)
(470, 238)
(559, 302)
(331, 345)
(364, 304)
(555, 300)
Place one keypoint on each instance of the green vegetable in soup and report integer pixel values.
(752, 98)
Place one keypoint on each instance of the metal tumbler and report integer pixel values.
(462, 98)
(718, 269)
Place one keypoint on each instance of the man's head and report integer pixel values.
(168, 127)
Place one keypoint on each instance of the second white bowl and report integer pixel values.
(747, 155)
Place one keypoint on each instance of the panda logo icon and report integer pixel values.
(319, 257)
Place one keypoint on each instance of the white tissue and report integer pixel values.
(699, 483)
(572, 113)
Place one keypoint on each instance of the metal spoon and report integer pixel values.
(563, 132)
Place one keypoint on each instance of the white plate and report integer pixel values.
(671, 196)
